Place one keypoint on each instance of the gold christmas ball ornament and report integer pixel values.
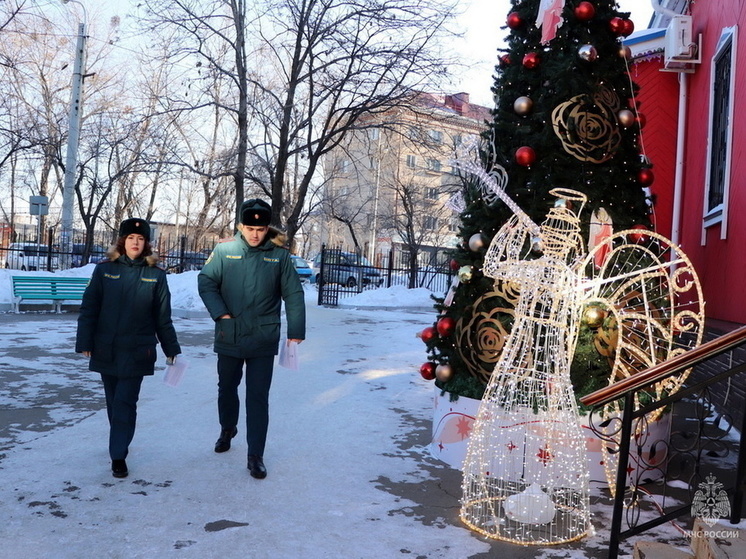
(626, 118)
(625, 52)
(443, 373)
(588, 53)
(464, 274)
(476, 242)
(523, 105)
(594, 316)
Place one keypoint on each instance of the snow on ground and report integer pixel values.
(349, 471)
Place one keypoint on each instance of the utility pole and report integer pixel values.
(71, 159)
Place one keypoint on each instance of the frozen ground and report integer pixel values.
(349, 471)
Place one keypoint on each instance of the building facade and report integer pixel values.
(390, 183)
(690, 64)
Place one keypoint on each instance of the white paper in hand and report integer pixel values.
(175, 372)
(288, 355)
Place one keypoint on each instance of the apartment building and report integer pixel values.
(390, 184)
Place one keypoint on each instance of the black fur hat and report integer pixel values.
(255, 212)
(135, 225)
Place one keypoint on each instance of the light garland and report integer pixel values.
(525, 474)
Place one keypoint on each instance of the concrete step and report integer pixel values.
(721, 541)
(656, 550)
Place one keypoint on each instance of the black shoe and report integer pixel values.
(256, 467)
(224, 441)
(119, 468)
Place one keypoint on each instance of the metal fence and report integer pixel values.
(342, 273)
(177, 253)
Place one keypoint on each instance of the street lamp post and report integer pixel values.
(71, 159)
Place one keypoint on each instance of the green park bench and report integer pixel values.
(47, 288)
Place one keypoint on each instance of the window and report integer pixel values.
(721, 131)
(344, 166)
(433, 165)
(411, 162)
(431, 193)
(457, 140)
(430, 223)
(373, 133)
(436, 136)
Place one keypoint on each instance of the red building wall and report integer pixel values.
(721, 263)
(658, 101)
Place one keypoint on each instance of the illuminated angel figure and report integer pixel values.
(526, 469)
(525, 473)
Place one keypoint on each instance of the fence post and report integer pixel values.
(390, 270)
(320, 280)
(49, 249)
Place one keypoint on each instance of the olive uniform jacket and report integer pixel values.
(125, 313)
(249, 284)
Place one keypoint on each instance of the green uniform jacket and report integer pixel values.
(126, 311)
(249, 284)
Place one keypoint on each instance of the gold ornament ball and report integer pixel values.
(464, 273)
(626, 118)
(594, 316)
(476, 242)
(625, 52)
(523, 105)
(443, 373)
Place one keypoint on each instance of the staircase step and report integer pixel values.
(657, 550)
(721, 541)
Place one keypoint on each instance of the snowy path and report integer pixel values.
(332, 446)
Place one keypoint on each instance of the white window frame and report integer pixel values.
(719, 214)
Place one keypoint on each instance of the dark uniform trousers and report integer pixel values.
(258, 381)
(121, 407)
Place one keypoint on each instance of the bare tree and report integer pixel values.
(304, 73)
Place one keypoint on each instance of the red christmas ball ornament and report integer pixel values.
(585, 11)
(525, 156)
(531, 60)
(515, 21)
(645, 177)
(428, 370)
(616, 25)
(428, 334)
(505, 61)
(445, 326)
(628, 27)
(639, 235)
(454, 265)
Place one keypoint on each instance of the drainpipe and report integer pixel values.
(679, 171)
(680, 139)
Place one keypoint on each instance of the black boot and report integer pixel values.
(224, 441)
(256, 467)
(119, 468)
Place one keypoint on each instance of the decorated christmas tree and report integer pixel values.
(566, 117)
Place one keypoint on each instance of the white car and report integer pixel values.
(29, 256)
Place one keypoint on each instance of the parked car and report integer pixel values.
(347, 269)
(302, 267)
(96, 255)
(29, 256)
(177, 262)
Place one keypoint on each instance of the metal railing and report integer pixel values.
(702, 450)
